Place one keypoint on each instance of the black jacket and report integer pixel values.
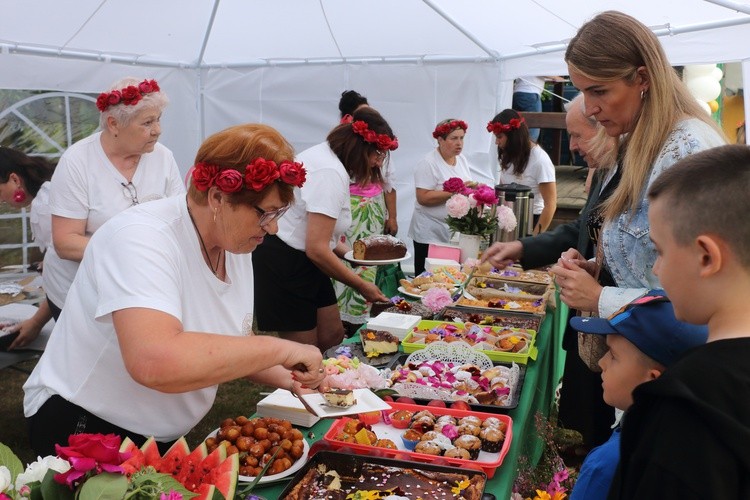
(545, 248)
(687, 434)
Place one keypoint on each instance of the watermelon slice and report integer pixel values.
(137, 459)
(212, 475)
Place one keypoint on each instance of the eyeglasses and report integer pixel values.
(268, 216)
(381, 154)
(129, 191)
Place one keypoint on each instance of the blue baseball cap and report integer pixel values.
(649, 323)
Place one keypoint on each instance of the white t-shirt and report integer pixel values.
(148, 257)
(86, 185)
(428, 223)
(40, 218)
(529, 84)
(326, 191)
(538, 171)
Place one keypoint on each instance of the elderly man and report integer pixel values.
(581, 405)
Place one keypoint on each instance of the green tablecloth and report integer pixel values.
(538, 393)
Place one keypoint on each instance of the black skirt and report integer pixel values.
(289, 288)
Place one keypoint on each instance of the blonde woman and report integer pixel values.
(630, 88)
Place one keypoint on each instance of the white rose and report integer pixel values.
(37, 470)
(4, 478)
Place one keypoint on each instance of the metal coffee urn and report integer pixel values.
(520, 199)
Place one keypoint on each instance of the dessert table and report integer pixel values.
(537, 396)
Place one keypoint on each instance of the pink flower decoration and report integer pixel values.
(485, 195)
(506, 219)
(437, 298)
(454, 185)
(457, 206)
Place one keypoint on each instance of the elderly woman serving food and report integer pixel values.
(161, 309)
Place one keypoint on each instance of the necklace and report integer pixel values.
(214, 270)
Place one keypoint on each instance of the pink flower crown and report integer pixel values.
(258, 175)
(129, 96)
(382, 141)
(500, 128)
(447, 128)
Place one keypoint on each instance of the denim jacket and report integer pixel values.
(628, 251)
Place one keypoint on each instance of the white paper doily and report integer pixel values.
(459, 353)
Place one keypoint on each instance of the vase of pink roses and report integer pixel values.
(473, 213)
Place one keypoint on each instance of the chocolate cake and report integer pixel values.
(342, 398)
(378, 247)
(323, 483)
(377, 342)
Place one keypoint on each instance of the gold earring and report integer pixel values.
(215, 211)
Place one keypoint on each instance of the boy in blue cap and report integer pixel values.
(644, 338)
(687, 434)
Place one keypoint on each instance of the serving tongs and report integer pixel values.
(460, 290)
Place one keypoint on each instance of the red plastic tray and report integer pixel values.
(486, 462)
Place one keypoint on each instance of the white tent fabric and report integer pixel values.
(286, 62)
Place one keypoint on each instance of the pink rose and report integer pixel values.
(437, 298)
(453, 185)
(260, 174)
(292, 173)
(131, 95)
(485, 195)
(229, 181)
(86, 452)
(506, 219)
(457, 206)
(204, 176)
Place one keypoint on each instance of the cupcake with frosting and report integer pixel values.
(470, 443)
(492, 439)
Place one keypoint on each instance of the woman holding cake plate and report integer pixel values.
(294, 293)
(161, 310)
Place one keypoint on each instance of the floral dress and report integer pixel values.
(368, 218)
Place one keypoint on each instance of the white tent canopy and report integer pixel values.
(285, 62)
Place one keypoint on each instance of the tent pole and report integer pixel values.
(729, 4)
(452, 22)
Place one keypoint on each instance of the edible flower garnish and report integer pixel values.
(460, 486)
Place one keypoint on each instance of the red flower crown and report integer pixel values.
(500, 128)
(382, 141)
(258, 175)
(129, 96)
(447, 128)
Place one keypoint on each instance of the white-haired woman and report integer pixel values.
(105, 173)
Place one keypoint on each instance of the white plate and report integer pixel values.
(270, 478)
(350, 257)
(417, 296)
(366, 401)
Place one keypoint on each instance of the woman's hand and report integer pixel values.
(29, 329)
(578, 289)
(391, 226)
(371, 292)
(501, 255)
(573, 255)
(306, 363)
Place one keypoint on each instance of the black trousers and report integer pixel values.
(58, 418)
(54, 309)
(420, 255)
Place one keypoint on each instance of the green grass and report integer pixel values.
(234, 398)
